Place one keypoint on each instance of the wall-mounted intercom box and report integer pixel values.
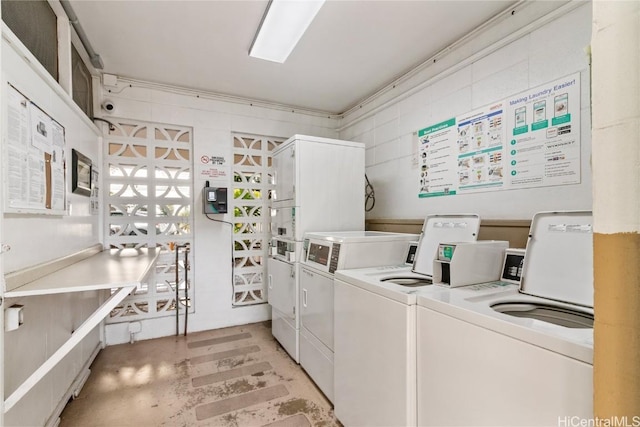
(214, 200)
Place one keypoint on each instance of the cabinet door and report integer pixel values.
(282, 286)
(316, 305)
(285, 173)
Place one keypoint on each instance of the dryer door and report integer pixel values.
(316, 305)
(282, 293)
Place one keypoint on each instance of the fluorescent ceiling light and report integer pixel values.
(282, 26)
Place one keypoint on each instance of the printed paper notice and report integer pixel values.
(57, 167)
(94, 200)
(41, 133)
(34, 158)
(37, 181)
(17, 148)
(438, 159)
(544, 135)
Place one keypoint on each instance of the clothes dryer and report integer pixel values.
(323, 254)
(299, 203)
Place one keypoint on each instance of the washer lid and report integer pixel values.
(443, 228)
(558, 264)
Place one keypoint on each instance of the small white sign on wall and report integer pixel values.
(214, 168)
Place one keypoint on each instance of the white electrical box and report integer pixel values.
(13, 317)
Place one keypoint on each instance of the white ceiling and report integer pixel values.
(352, 49)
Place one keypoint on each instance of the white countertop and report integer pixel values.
(114, 268)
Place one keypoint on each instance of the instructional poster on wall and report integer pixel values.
(544, 135)
(481, 135)
(35, 163)
(531, 139)
(438, 157)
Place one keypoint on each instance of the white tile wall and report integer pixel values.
(386, 132)
(359, 128)
(386, 115)
(455, 103)
(414, 120)
(369, 157)
(445, 86)
(512, 54)
(411, 103)
(501, 84)
(550, 50)
(396, 149)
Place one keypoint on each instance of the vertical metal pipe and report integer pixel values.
(186, 287)
(177, 283)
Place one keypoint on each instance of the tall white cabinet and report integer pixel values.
(319, 186)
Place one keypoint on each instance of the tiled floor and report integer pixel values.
(236, 376)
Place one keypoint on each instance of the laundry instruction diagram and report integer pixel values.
(531, 139)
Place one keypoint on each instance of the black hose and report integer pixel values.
(369, 195)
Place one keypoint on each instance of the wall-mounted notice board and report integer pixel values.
(531, 139)
(34, 178)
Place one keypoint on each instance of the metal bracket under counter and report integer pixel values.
(121, 270)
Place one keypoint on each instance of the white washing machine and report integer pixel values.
(520, 358)
(375, 330)
(323, 254)
(440, 228)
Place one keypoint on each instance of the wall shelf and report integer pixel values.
(114, 268)
(120, 270)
